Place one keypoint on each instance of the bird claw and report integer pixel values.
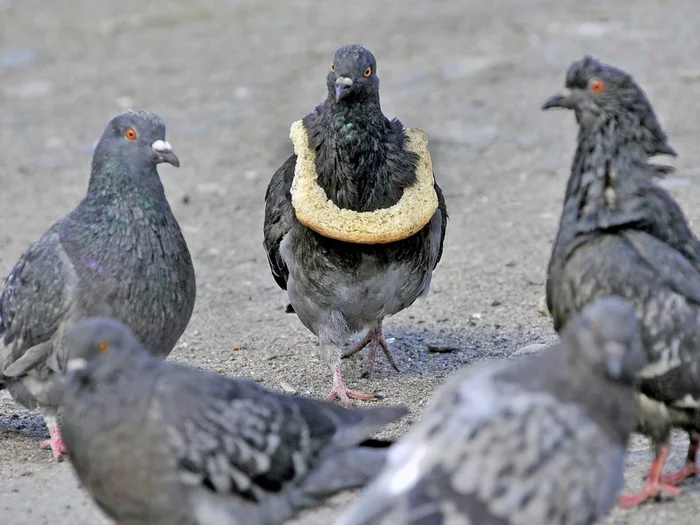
(55, 443)
(689, 470)
(651, 490)
(343, 393)
(373, 338)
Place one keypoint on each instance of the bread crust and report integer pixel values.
(407, 217)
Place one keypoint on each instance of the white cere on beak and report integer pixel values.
(162, 146)
(343, 81)
(76, 364)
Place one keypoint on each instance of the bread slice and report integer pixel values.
(315, 210)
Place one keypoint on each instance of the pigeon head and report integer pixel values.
(92, 338)
(597, 91)
(132, 144)
(353, 75)
(606, 338)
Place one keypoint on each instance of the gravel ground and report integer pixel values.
(229, 77)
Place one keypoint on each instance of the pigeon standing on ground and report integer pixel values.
(539, 440)
(121, 244)
(339, 288)
(157, 443)
(620, 233)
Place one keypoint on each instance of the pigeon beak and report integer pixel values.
(667, 150)
(76, 364)
(342, 88)
(165, 152)
(565, 99)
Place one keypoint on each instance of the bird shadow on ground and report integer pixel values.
(438, 352)
(24, 425)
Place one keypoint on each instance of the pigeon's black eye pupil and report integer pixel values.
(368, 71)
(333, 68)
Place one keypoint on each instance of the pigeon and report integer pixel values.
(621, 233)
(338, 288)
(156, 442)
(539, 439)
(120, 252)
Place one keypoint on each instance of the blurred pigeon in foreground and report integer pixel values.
(339, 288)
(620, 233)
(120, 249)
(156, 442)
(539, 440)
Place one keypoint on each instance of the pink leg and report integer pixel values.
(343, 393)
(374, 338)
(688, 470)
(653, 486)
(55, 442)
(359, 346)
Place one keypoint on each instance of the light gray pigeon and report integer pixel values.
(157, 443)
(339, 288)
(120, 248)
(539, 440)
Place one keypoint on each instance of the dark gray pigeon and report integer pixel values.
(157, 443)
(120, 249)
(538, 440)
(620, 233)
(339, 288)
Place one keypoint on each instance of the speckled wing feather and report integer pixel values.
(665, 288)
(490, 451)
(662, 283)
(233, 437)
(670, 224)
(33, 302)
(279, 218)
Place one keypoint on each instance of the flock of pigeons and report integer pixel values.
(91, 310)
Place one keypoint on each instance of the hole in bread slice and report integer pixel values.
(315, 210)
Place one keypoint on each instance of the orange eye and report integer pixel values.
(596, 85)
(368, 71)
(102, 346)
(130, 134)
(333, 68)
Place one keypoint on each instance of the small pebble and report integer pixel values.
(442, 348)
(530, 349)
(287, 388)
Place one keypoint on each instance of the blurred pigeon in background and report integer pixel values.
(537, 440)
(158, 443)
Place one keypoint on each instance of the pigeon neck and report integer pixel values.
(117, 182)
(607, 189)
(360, 160)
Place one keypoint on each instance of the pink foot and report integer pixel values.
(55, 443)
(653, 486)
(650, 490)
(688, 470)
(373, 338)
(343, 393)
